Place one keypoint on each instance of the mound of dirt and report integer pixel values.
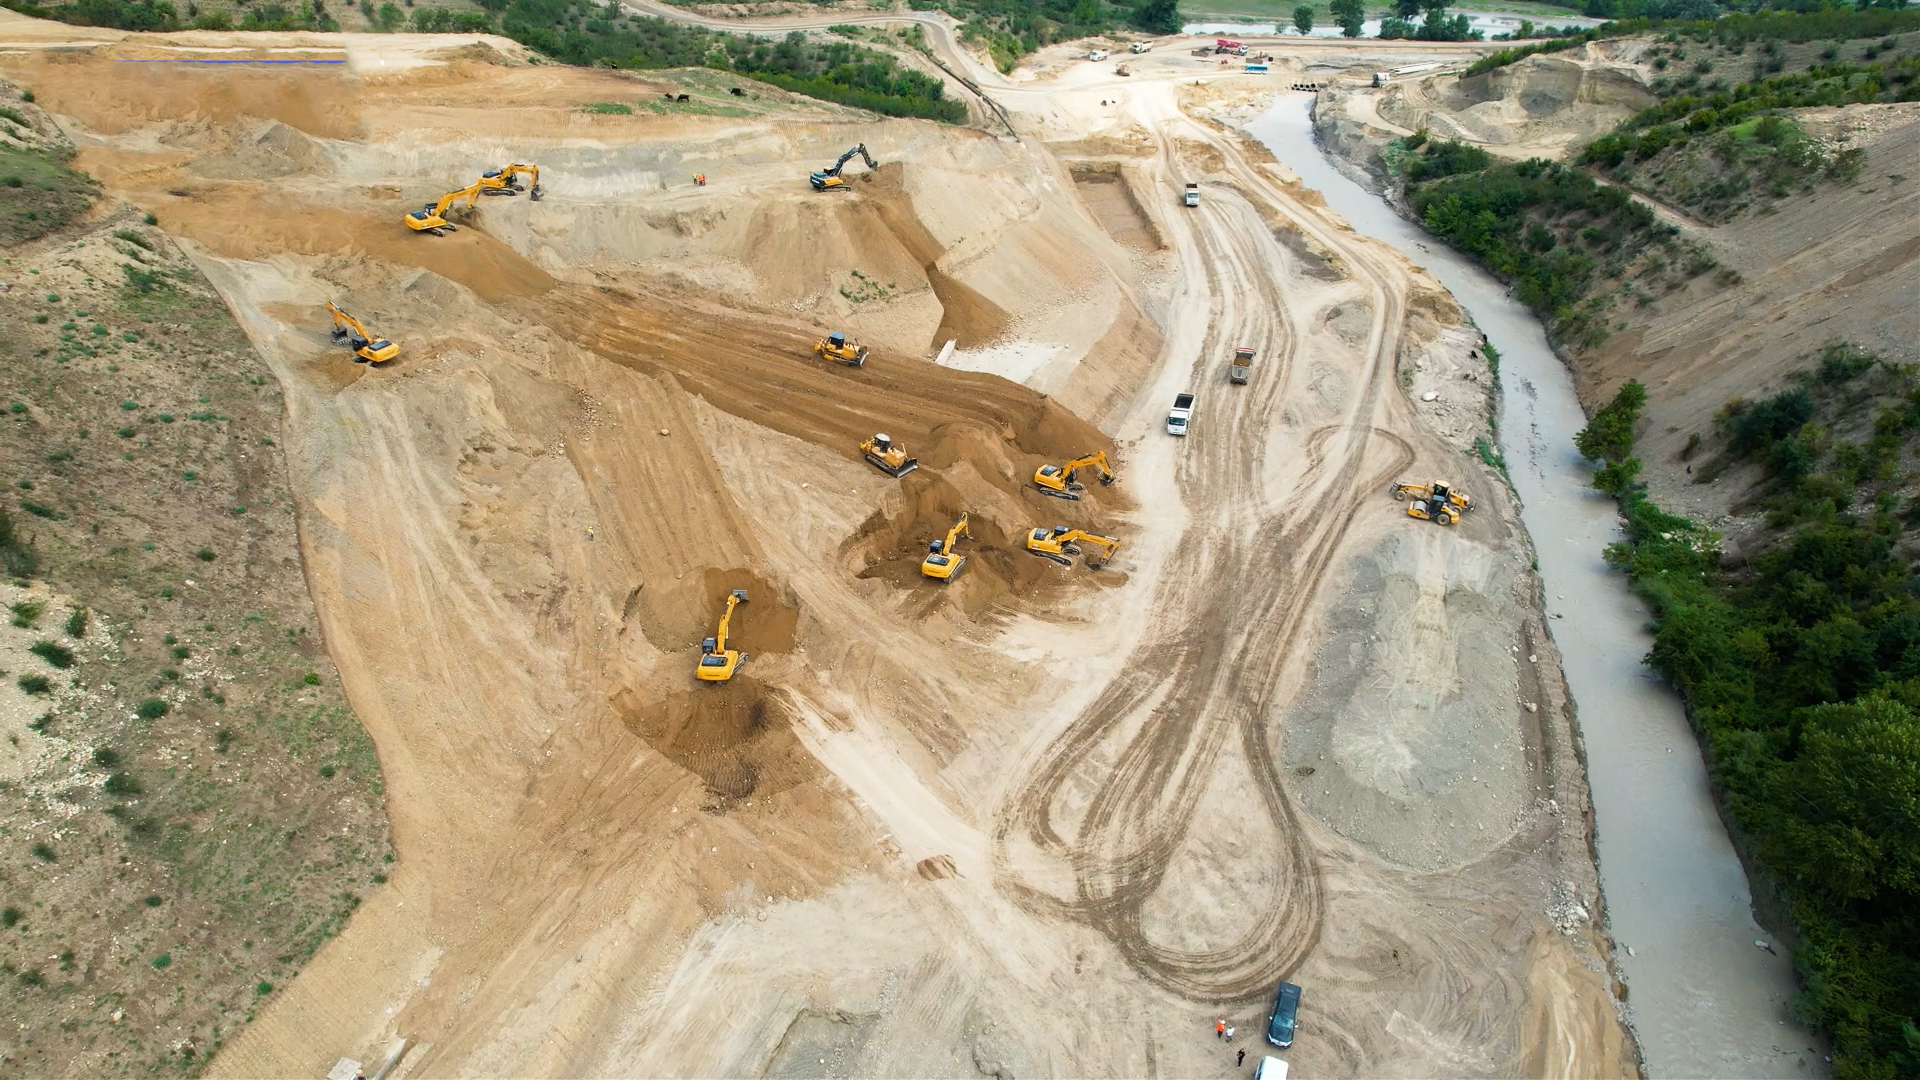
(735, 736)
(1542, 100)
(765, 623)
(890, 547)
(1406, 741)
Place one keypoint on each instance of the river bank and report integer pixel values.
(1704, 1000)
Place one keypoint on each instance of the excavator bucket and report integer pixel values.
(740, 595)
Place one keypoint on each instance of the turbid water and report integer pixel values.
(1705, 998)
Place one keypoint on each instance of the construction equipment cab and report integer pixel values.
(1060, 541)
(367, 349)
(1192, 197)
(1058, 481)
(835, 346)
(1242, 366)
(431, 218)
(507, 181)
(717, 662)
(830, 179)
(1181, 412)
(941, 562)
(1439, 502)
(888, 456)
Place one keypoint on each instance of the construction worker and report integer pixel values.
(699, 179)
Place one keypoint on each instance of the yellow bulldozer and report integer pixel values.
(431, 218)
(1439, 502)
(941, 562)
(835, 346)
(1060, 542)
(888, 456)
(1058, 481)
(507, 181)
(717, 662)
(350, 332)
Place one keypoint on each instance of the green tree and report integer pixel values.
(1609, 435)
(1303, 18)
(1407, 9)
(1351, 15)
(1158, 16)
(1850, 804)
(391, 17)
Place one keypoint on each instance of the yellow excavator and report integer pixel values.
(888, 456)
(1060, 541)
(717, 662)
(431, 219)
(829, 179)
(1439, 502)
(835, 346)
(507, 181)
(352, 333)
(1057, 480)
(941, 562)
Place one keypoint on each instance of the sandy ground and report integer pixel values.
(1041, 819)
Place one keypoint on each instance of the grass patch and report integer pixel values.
(152, 709)
(608, 108)
(46, 197)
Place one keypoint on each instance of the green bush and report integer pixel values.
(152, 709)
(35, 684)
(53, 653)
(106, 757)
(581, 32)
(122, 784)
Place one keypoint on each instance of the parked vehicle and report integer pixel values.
(1286, 1004)
(1381, 78)
(1270, 1068)
(1242, 366)
(1097, 54)
(1192, 197)
(1178, 416)
(1140, 46)
(1256, 69)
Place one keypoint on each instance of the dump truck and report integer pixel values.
(1139, 47)
(1178, 416)
(1242, 366)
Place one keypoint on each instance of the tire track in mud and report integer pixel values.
(1210, 687)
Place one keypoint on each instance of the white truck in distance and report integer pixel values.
(1192, 197)
(1178, 416)
(1097, 54)
(1140, 46)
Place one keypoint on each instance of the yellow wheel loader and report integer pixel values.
(835, 346)
(717, 662)
(1058, 481)
(350, 332)
(507, 181)
(431, 218)
(1439, 502)
(941, 563)
(1060, 542)
(888, 456)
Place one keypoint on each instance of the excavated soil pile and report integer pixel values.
(890, 548)
(735, 736)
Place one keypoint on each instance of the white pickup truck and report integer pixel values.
(1178, 416)
(1192, 196)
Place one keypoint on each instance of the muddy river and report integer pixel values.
(1708, 987)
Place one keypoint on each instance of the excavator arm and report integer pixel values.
(431, 218)
(503, 181)
(1058, 480)
(1060, 541)
(717, 662)
(941, 561)
(352, 333)
(830, 177)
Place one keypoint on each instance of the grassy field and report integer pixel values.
(188, 807)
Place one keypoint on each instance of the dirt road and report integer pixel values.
(1040, 819)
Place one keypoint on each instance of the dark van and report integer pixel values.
(1285, 1004)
